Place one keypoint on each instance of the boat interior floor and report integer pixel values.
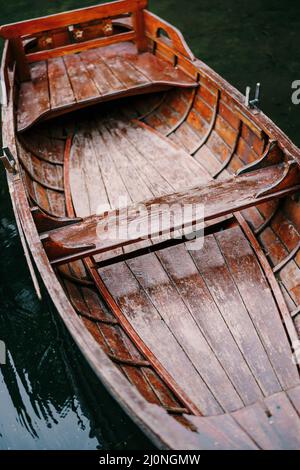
(59, 84)
(207, 315)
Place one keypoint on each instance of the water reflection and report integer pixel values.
(48, 396)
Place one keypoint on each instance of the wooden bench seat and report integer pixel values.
(167, 214)
(63, 84)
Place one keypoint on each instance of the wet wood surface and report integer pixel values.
(100, 74)
(164, 215)
(195, 331)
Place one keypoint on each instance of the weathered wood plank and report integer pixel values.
(262, 308)
(218, 198)
(212, 265)
(61, 93)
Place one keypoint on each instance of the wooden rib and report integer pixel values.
(271, 156)
(210, 128)
(68, 197)
(185, 114)
(74, 279)
(155, 107)
(37, 180)
(27, 145)
(291, 175)
(249, 123)
(176, 410)
(288, 258)
(231, 154)
(267, 221)
(88, 315)
(129, 362)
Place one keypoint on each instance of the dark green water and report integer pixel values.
(49, 399)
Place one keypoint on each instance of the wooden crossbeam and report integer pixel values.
(59, 20)
(16, 32)
(165, 215)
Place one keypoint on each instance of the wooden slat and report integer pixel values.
(262, 308)
(192, 339)
(226, 339)
(34, 98)
(102, 76)
(217, 197)
(61, 93)
(212, 265)
(82, 85)
(273, 424)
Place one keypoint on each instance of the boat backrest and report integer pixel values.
(20, 33)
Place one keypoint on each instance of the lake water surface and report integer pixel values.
(49, 399)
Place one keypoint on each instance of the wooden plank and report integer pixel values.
(262, 308)
(34, 96)
(61, 93)
(152, 25)
(174, 312)
(273, 424)
(106, 10)
(220, 335)
(138, 25)
(175, 164)
(285, 418)
(81, 46)
(126, 74)
(96, 75)
(221, 433)
(217, 197)
(102, 76)
(218, 280)
(118, 163)
(82, 85)
(188, 335)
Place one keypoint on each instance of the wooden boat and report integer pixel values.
(199, 346)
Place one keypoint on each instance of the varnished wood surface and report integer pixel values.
(61, 84)
(195, 332)
(175, 280)
(216, 198)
